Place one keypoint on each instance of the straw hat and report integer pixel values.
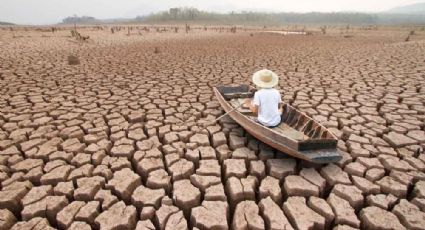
(265, 78)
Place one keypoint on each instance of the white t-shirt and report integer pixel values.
(268, 101)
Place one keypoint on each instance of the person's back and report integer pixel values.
(268, 101)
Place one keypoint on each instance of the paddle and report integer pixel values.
(214, 119)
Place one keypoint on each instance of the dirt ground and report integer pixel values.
(100, 145)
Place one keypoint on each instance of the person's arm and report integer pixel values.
(254, 109)
(249, 104)
(255, 104)
(280, 105)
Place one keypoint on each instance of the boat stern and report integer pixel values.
(323, 156)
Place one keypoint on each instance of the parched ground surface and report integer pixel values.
(98, 145)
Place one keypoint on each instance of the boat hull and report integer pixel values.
(273, 139)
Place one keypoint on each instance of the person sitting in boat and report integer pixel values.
(267, 103)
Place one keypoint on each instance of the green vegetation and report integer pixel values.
(80, 20)
(6, 24)
(193, 14)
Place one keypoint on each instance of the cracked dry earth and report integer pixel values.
(100, 145)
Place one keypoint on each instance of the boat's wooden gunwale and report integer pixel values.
(298, 113)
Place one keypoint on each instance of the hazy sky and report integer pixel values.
(53, 11)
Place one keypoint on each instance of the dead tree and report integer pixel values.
(73, 60)
(78, 36)
(323, 29)
(156, 50)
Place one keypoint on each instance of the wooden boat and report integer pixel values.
(298, 135)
